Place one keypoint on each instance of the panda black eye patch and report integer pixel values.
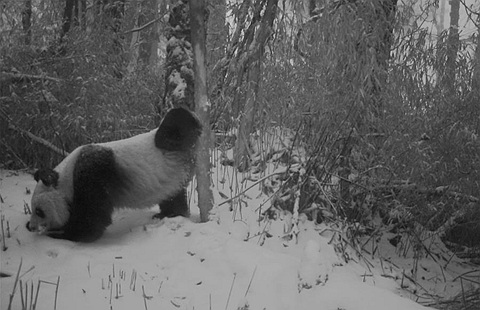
(40, 213)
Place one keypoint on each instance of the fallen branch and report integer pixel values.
(34, 137)
(39, 140)
(11, 77)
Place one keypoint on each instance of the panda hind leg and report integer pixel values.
(174, 206)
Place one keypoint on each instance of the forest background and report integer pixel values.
(383, 95)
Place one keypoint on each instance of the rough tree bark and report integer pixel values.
(111, 14)
(67, 16)
(179, 73)
(198, 26)
(217, 32)
(73, 14)
(453, 42)
(27, 22)
(476, 62)
(148, 35)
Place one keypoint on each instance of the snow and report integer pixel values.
(178, 263)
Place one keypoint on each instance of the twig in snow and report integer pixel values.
(110, 284)
(144, 298)
(118, 290)
(56, 293)
(21, 296)
(231, 288)
(26, 208)
(36, 294)
(403, 277)
(26, 304)
(4, 245)
(31, 294)
(15, 285)
(88, 268)
(251, 280)
(8, 230)
(133, 280)
(160, 287)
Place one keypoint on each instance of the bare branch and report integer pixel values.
(144, 26)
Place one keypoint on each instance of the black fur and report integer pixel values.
(95, 176)
(179, 131)
(174, 206)
(49, 177)
(98, 180)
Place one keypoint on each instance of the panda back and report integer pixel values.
(148, 174)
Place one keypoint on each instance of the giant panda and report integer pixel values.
(75, 200)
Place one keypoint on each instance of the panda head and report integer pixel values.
(50, 210)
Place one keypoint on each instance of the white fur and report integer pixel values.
(153, 174)
(56, 215)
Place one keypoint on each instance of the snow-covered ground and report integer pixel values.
(178, 263)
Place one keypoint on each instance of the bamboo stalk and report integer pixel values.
(251, 280)
(15, 285)
(231, 289)
(56, 293)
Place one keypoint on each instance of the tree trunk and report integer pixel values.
(67, 16)
(179, 74)
(217, 32)
(198, 33)
(440, 24)
(148, 13)
(112, 13)
(27, 22)
(476, 62)
(135, 41)
(453, 42)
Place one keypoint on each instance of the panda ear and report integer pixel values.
(179, 131)
(49, 177)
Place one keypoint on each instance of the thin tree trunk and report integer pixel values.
(453, 42)
(440, 22)
(135, 41)
(27, 22)
(67, 16)
(476, 62)
(148, 13)
(217, 32)
(202, 107)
